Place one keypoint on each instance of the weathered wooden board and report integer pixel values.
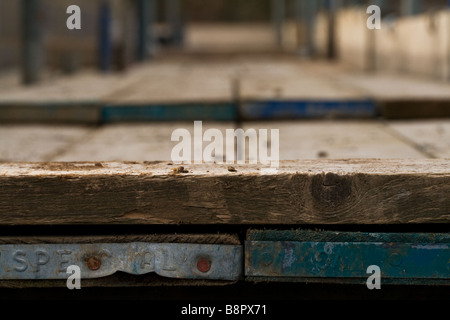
(177, 83)
(301, 192)
(61, 100)
(337, 140)
(414, 108)
(267, 87)
(400, 97)
(38, 142)
(82, 112)
(432, 136)
(287, 89)
(132, 142)
(298, 140)
(292, 81)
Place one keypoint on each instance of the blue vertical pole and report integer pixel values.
(143, 9)
(33, 51)
(105, 40)
(278, 14)
(173, 18)
(332, 7)
(153, 17)
(305, 12)
(411, 7)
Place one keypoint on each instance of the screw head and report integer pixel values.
(203, 265)
(93, 263)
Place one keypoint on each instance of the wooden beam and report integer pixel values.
(300, 192)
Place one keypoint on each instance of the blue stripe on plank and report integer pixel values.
(175, 112)
(308, 109)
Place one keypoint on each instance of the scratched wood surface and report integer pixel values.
(300, 192)
(157, 86)
(398, 96)
(431, 136)
(318, 139)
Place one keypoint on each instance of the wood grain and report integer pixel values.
(301, 192)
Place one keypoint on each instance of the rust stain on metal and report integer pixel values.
(203, 265)
(93, 263)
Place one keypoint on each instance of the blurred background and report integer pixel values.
(138, 69)
(116, 89)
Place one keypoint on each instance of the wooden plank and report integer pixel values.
(414, 109)
(300, 192)
(132, 142)
(68, 100)
(81, 112)
(399, 97)
(395, 95)
(351, 139)
(290, 80)
(37, 142)
(177, 82)
(286, 89)
(432, 136)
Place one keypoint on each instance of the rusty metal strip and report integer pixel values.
(95, 260)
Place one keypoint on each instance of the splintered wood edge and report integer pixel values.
(153, 238)
(155, 168)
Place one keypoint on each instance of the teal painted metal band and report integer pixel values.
(347, 259)
(169, 112)
(305, 235)
(286, 109)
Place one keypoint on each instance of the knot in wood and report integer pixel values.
(331, 189)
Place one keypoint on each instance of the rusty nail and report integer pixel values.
(93, 263)
(203, 265)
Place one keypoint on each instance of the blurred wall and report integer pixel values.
(68, 50)
(417, 44)
(9, 34)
